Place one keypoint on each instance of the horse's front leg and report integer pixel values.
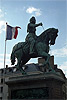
(46, 56)
(50, 68)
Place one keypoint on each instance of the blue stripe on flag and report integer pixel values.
(9, 33)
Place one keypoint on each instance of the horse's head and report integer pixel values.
(53, 35)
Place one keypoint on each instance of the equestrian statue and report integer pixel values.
(34, 46)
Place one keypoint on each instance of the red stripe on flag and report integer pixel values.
(16, 32)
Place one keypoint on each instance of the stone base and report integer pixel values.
(36, 86)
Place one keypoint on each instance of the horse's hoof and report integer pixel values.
(24, 73)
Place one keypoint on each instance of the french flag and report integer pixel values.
(11, 32)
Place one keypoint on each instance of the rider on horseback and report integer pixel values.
(31, 30)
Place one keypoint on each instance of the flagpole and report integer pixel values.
(4, 64)
(5, 56)
(5, 53)
(5, 50)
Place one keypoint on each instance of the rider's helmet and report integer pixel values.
(33, 20)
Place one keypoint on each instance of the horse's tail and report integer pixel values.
(13, 54)
(12, 58)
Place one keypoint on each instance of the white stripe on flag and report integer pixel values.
(13, 32)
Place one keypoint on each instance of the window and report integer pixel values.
(2, 80)
(0, 98)
(1, 89)
(2, 71)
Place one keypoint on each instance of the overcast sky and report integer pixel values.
(52, 13)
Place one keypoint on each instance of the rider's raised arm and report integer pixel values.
(35, 25)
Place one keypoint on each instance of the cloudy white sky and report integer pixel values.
(52, 13)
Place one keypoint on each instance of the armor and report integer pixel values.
(31, 30)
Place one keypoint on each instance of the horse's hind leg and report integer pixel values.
(18, 66)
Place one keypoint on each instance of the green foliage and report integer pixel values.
(38, 93)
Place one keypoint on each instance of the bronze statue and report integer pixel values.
(31, 37)
(23, 51)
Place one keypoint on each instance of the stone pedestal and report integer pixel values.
(36, 86)
(37, 83)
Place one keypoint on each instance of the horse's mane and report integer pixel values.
(42, 36)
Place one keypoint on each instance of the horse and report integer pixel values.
(42, 45)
